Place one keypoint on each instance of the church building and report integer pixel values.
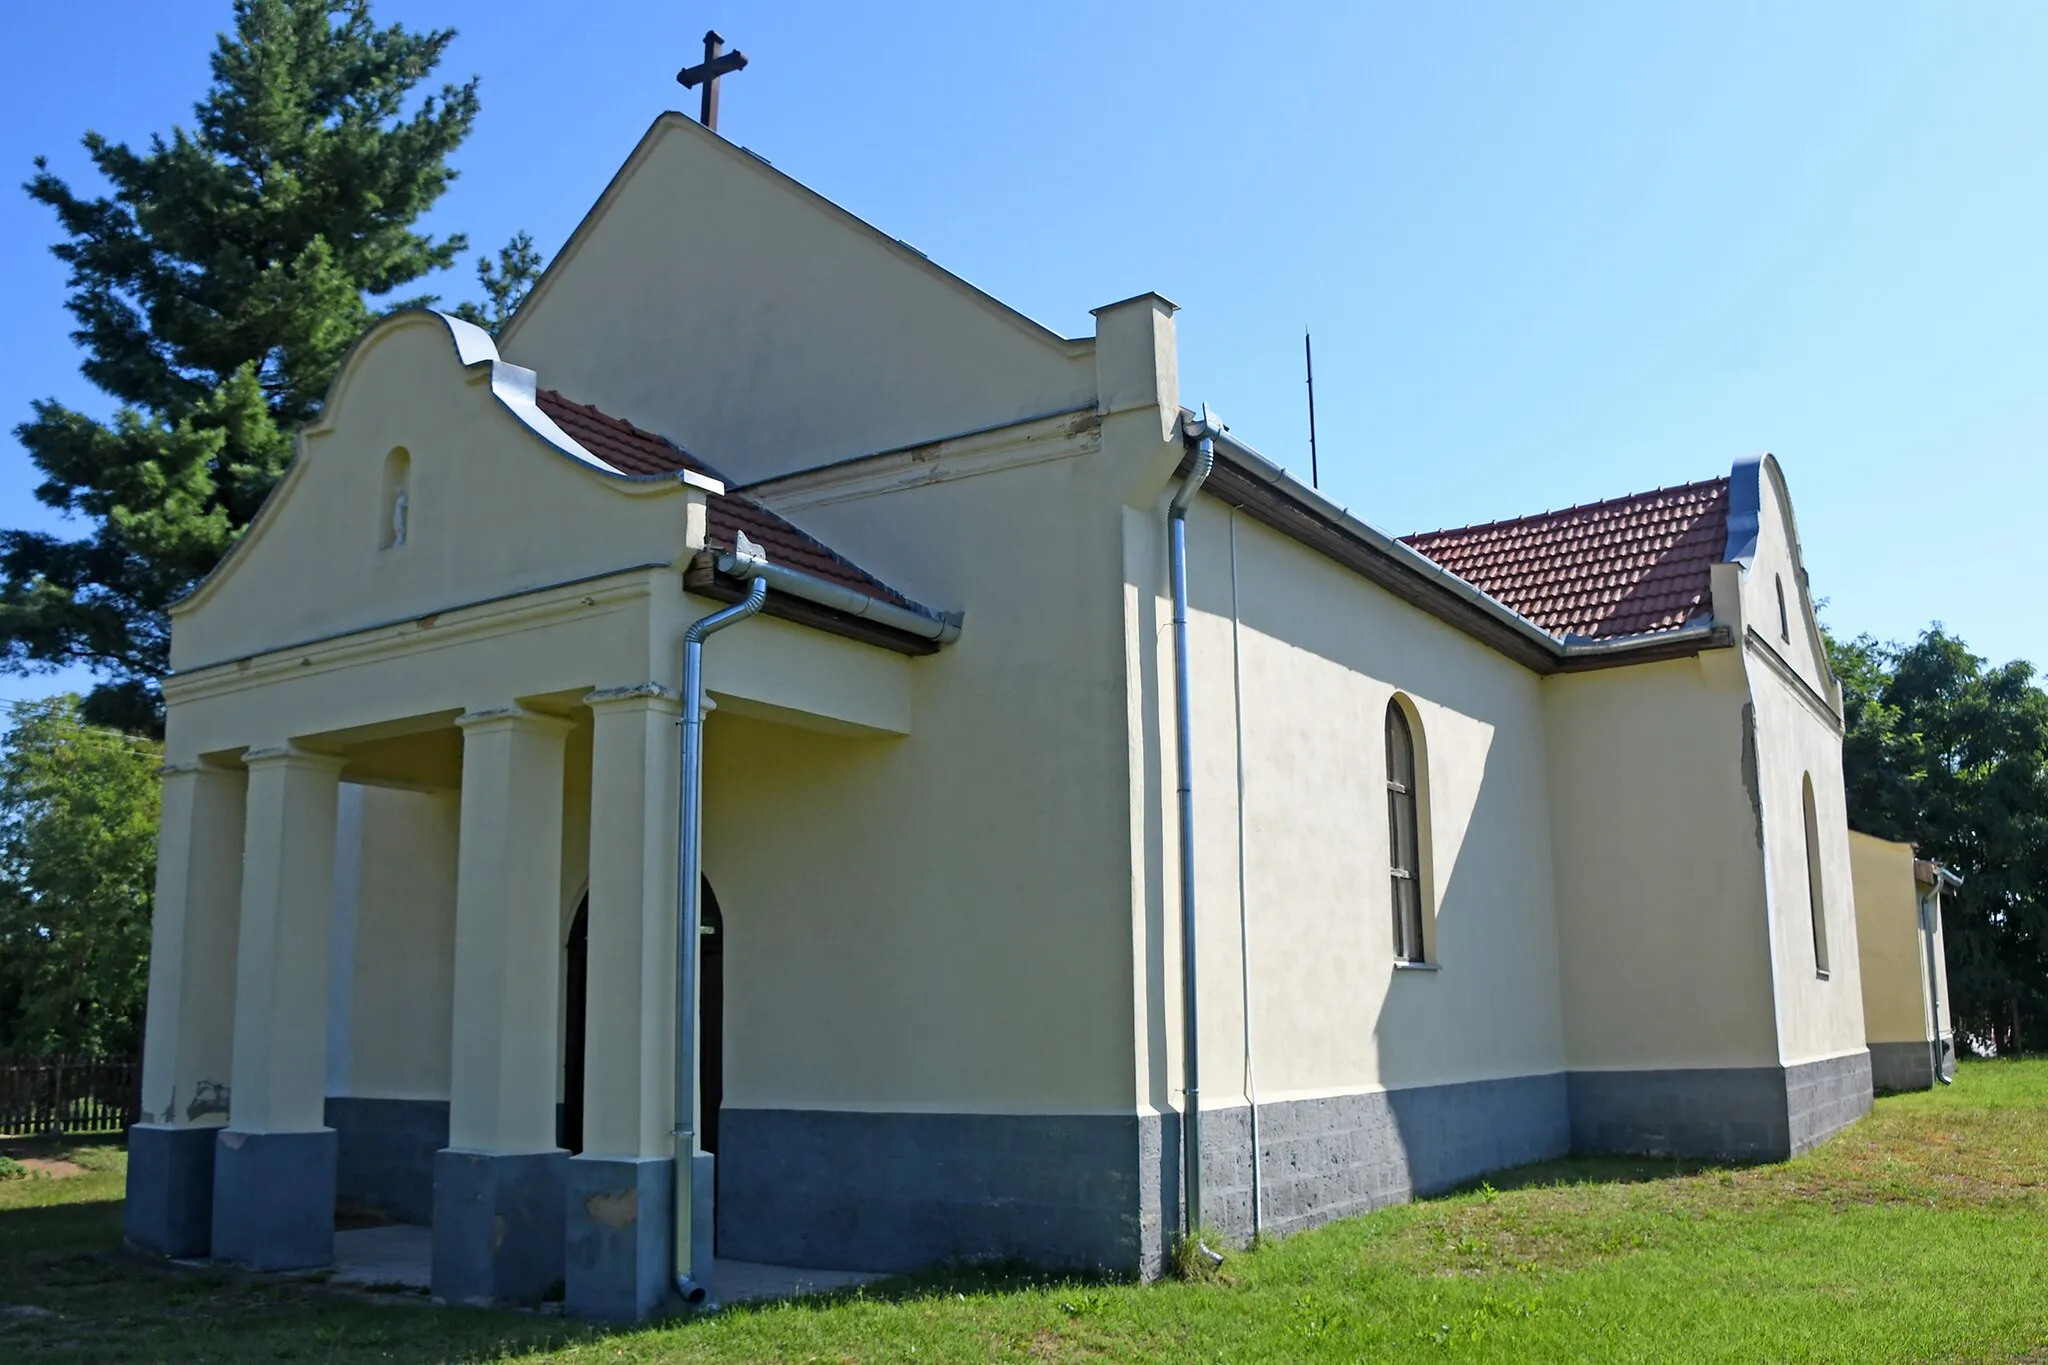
(1089, 830)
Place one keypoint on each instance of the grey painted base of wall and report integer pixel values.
(273, 1199)
(1822, 1098)
(387, 1149)
(1761, 1113)
(1342, 1155)
(1898, 1067)
(169, 1207)
(882, 1191)
(1099, 1192)
(620, 1230)
(498, 1225)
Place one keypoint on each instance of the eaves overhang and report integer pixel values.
(1266, 492)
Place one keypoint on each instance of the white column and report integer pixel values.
(189, 1049)
(281, 967)
(507, 925)
(630, 1018)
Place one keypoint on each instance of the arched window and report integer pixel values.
(1404, 858)
(1784, 618)
(1816, 902)
(395, 504)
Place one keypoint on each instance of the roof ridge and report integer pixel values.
(1575, 508)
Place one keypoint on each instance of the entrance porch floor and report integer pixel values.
(402, 1256)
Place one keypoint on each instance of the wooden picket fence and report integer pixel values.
(80, 1095)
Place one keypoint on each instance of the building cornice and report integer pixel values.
(1060, 435)
(1757, 647)
(438, 629)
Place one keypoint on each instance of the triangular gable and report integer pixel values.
(498, 500)
(712, 298)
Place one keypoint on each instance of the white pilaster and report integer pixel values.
(188, 1053)
(628, 1067)
(281, 966)
(503, 1060)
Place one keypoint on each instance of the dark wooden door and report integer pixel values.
(576, 1006)
(710, 1013)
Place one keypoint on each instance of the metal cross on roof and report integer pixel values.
(717, 62)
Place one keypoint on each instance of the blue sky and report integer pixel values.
(1550, 253)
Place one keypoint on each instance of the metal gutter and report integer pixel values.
(1250, 463)
(942, 627)
(1257, 465)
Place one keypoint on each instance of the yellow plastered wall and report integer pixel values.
(711, 298)
(404, 944)
(1321, 652)
(1798, 734)
(1891, 944)
(940, 920)
(1665, 959)
(1818, 1017)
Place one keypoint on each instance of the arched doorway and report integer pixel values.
(710, 1014)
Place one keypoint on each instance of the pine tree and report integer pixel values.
(216, 289)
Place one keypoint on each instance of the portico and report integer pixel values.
(376, 837)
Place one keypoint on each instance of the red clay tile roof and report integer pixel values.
(630, 450)
(1630, 566)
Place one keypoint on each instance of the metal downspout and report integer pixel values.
(1203, 434)
(1244, 924)
(689, 914)
(1930, 913)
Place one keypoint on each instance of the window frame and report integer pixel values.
(1816, 889)
(1407, 814)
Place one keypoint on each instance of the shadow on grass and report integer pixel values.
(1590, 1170)
(960, 1280)
(40, 1231)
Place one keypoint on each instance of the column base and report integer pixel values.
(620, 1235)
(498, 1225)
(273, 1199)
(169, 1209)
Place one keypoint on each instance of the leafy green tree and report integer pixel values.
(216, 288)
(78, 817)
(1951, 755)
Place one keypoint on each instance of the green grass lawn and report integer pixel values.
(1919, 1234)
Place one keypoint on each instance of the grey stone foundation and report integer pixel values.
(620, 1230)
(498, 1225)
(169, 1208)
(1099, 1193)
(1822, 1098)
(1334, 1157)
(1896, 1067)
(891, 1191)
(273, 1199)
(387, 1147)
(1761, 1113)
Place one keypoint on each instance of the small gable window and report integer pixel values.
(1404, 837)
(1816, 901)
(395, 524)
(1784, 618)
